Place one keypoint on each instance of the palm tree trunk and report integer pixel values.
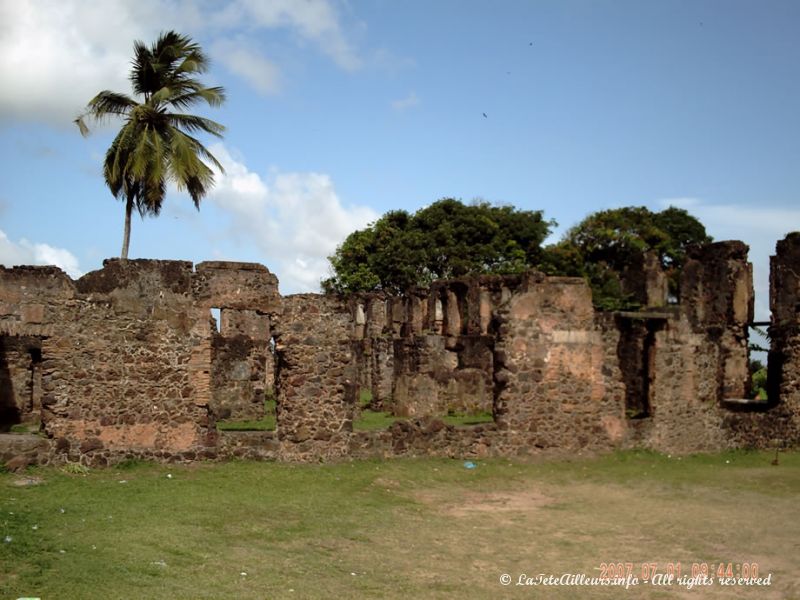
(126, 236)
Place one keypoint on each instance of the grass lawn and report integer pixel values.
(265, 423)
(370, 420)
(467, 419)
(416, 528)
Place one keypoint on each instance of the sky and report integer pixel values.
(340, 110)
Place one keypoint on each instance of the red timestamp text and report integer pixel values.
(646, 571)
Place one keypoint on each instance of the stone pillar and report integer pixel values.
(784, 300)
(548, 369)
(485, 311)
(717, 298)
(438, 316)
(360, 322)
(646, 281)
(378, 351)
(452, 315)
(316, 374)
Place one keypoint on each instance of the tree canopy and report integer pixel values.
(155, 143)
(607, 242)
(444, 240)
(450, 239)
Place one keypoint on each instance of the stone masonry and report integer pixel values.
(130, 361)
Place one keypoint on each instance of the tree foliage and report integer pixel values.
(607, 242)
(444, 240)
(156, 142)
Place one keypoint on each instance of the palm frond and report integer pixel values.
(117, 171)
(197, 189)
(213, 96)
(110, 103)
(152, 198)
(201, 150)
(192, 124)
(79, 121)
(178, 55)
(142, 72)
(113, 165)
(187, 169)
(104, 105)
(161, 96)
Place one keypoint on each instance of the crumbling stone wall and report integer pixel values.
(20, 380)
(645, 282)
(431, 380)
(699, 377)
(126, 375)
(31, 300)
(784, 331)
(127, 361)
(374, 355)
(316, 380)
(444, 348)
(243, 369)
(550, 355)
(672, 378)
(242, 356)
(717, 299)
(127, 351)
(784, 356)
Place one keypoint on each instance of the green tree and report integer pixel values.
(444, 240)
(683, 230)
(607, 242)
(758, 379)
(156, 142)
(386, 255)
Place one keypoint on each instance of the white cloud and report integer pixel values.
(55, 55)
(262, 74)
(313, 19)
(27, 253)
(409, 101)
(296, 220)
(760, 227)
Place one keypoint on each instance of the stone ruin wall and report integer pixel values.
(126, 352)
(784, 356)
(315, 377)
(128, 361)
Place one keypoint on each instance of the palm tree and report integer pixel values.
(155, 144)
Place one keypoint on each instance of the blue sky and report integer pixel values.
(341, 110)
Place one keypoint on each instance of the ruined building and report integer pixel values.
(129, 361)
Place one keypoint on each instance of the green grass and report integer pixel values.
(25, 428)
(415, 528)
(466, 419)
(266, 423)
(370, 420)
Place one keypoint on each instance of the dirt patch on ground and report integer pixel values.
(494, 502)
(386, 483)
(26, 481)
(472, 503)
